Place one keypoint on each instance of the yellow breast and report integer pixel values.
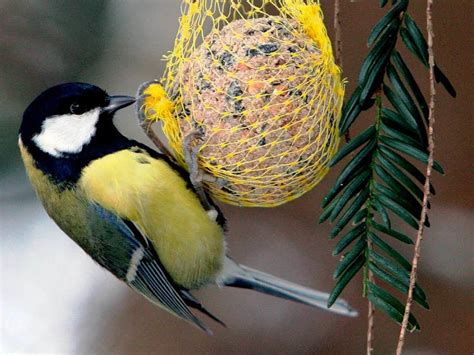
(150, 193)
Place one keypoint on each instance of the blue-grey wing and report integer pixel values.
(120, 247)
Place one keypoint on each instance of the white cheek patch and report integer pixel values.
(67, 133)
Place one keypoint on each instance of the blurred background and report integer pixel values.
(54, 299)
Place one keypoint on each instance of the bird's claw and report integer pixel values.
(192, 144)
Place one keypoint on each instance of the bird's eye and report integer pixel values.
(75, 108)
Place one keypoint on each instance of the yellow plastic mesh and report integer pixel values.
(258, 80)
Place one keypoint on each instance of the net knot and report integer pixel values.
(156, 104)
(158, 107)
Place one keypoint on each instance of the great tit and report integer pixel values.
(132, 209)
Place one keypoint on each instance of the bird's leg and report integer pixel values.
(196, 175)
(146, 125)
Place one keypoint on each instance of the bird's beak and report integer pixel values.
(118, 102)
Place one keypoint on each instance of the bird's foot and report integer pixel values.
(192, 144)
(147, 124)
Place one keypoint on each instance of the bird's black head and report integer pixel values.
(69, 120)
(70, 125)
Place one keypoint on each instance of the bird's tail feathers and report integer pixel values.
(191, 301)
(236, 275)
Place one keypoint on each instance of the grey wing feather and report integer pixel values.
(126, 252)
(151, 281)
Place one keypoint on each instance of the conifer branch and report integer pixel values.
(338, 44)
(379, 182)
(426, 190)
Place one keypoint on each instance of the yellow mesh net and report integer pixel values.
(258, 80)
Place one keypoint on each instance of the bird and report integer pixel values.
(133, 209)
